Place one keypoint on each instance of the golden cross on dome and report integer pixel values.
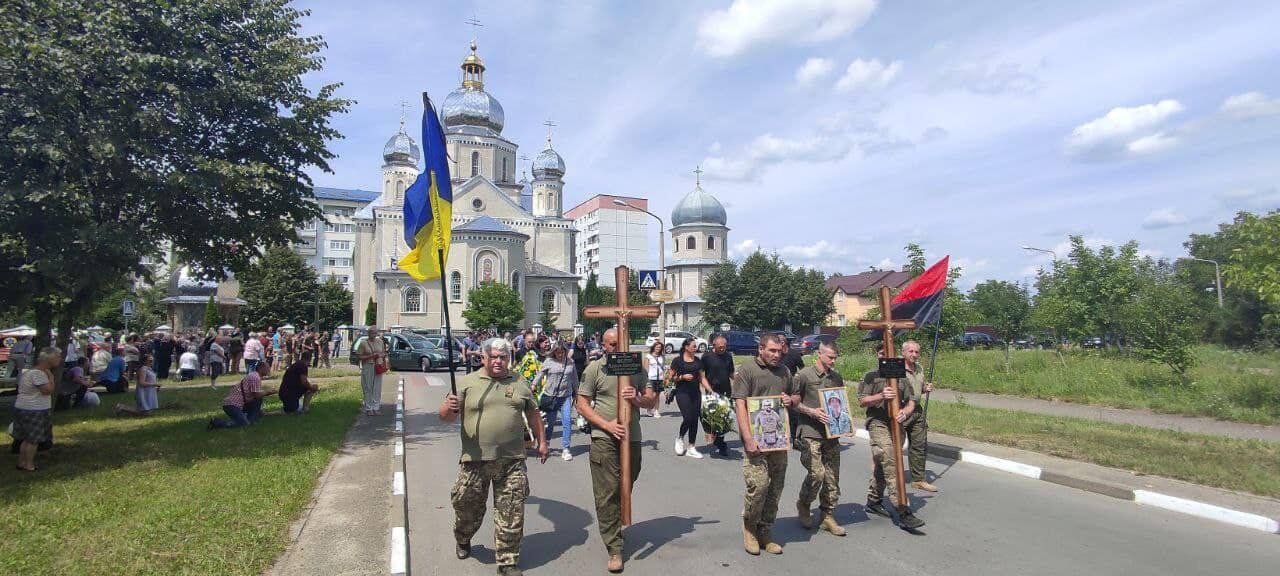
(697, 175)
(403, 106)
(549, 124)
(475, 26)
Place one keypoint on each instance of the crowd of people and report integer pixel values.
(541, 383)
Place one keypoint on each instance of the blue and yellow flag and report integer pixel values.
(428, 204)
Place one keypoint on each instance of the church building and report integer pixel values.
(507, 231)
(699, 243)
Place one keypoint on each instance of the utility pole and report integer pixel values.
(1217, 276)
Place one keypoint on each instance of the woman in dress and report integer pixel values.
(686, 373)
(33, 408)
(656, 366)
(147, 391)
(558, 380)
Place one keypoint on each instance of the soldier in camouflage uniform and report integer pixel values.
(763, 472)
(915, 427)
(495, 405)
(607, 436)
(874, 394)
(819, 455)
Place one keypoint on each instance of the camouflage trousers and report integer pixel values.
(916, 429)
(606, 476)
(765, 474)
(882, 459)
(821, 458)
(510, 480)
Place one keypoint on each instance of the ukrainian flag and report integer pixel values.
(428, 204)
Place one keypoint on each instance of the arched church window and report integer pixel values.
(475, 163)
(412, 300)
(711, 242)
(691, 243)
(399, 189)
(455, 286)
(515, 281)
(486, 269)
(549, 299)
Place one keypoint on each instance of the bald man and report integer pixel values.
(915, 426)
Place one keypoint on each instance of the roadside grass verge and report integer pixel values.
(1243, 465)
(163, 495)
(1225, 384)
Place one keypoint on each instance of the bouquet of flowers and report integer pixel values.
(528, 368)
(717, 416)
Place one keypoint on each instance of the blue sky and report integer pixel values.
(836, 131)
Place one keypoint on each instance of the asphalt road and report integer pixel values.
(686, 519)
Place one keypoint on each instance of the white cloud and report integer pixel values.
(868, 74)
(820, 250)
(749, 24)
(1163, 218)
(767, 150)
(1152, 144)
(1251, 198)
(987, 79)
(1134, 130)
(1250, 105)
(743, 249)
(887, 264)
(814, 69)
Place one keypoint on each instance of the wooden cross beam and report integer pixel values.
(887, 325)
(622, 313)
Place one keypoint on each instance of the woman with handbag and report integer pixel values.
(372, 354)
(689, 382)
(656, 366)
(558, 379)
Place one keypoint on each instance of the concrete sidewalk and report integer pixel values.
(345, 530)
(1144, 418)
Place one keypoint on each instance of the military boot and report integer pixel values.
(749, 540)
(766, 541)
(877, 509)
(830, 525)
(805, 516)
(908, 520)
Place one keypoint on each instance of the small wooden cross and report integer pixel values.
(887, 325)
(622, 312)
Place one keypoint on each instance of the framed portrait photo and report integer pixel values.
(836, 402)
(770, 426)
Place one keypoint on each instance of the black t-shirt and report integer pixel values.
(793, 360)
(680, 367)
(719, 370)
(291, 385)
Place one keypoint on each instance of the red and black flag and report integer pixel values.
(921, 300)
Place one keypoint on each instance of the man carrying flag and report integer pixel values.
(428, 208)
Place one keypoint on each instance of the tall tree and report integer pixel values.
(335, 304)
(594, 295)
(722, 292)
(129, 124)
(916, 263)
(1254, 265)
(277, 289)
(1240, 321)
(1003, 305)
(371, 313)
(494, 305)
(1161, 321)
(211, 317)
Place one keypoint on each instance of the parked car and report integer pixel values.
(973, 340)
(408, 351)
(673, 341)
(1092, 342)
(810, 343)
(741, 342)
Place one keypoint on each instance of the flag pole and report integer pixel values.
(933, 355)
(448, 331)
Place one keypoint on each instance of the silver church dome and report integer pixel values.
(699, 207)
(472, 106)
(401, 147)
(548, 163)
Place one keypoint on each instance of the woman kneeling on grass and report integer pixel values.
(147, 390)
(244, 403)
(33, 408)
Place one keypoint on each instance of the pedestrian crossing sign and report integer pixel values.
(648, 279)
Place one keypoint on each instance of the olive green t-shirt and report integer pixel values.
(808, 381)
(755, 378)
(597, 384)
(493, 416)
(872, 384)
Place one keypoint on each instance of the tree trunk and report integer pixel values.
(1007, 347)
(44, 327)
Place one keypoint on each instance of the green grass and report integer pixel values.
(162, 495)
(1244, 465)
(1226, 384)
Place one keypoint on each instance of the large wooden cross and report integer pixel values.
(887, 325)
(622, 313)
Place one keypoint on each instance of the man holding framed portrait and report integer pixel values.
(823, 417)
(764, 468)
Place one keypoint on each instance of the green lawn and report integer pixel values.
(162, 495)
(1227, 384)
(1244, 465)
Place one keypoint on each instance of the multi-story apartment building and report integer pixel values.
(608, 235)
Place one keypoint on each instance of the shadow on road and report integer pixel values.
(644, 538)
(569, 529)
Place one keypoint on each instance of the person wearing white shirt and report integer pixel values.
(188, 365)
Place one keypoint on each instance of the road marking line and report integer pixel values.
(399, 447)
(398, 554)
(397, 484)
(399, 426)
(1236, 517)
(1000, 464)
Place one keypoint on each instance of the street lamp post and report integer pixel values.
(1049, 252)
(662, 268)
(1217, 276)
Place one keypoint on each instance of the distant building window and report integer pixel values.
(711, 242)
(504, 169)
(549, 300)
(840, 297)
(339, 244)
(691, 243)
(455, 286)
(413, 299)
(331, 227)
(840, 320)
(343, 212)
(475, 163)
(338, 262)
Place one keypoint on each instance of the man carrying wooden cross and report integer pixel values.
(887, 406)
(615, 431)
